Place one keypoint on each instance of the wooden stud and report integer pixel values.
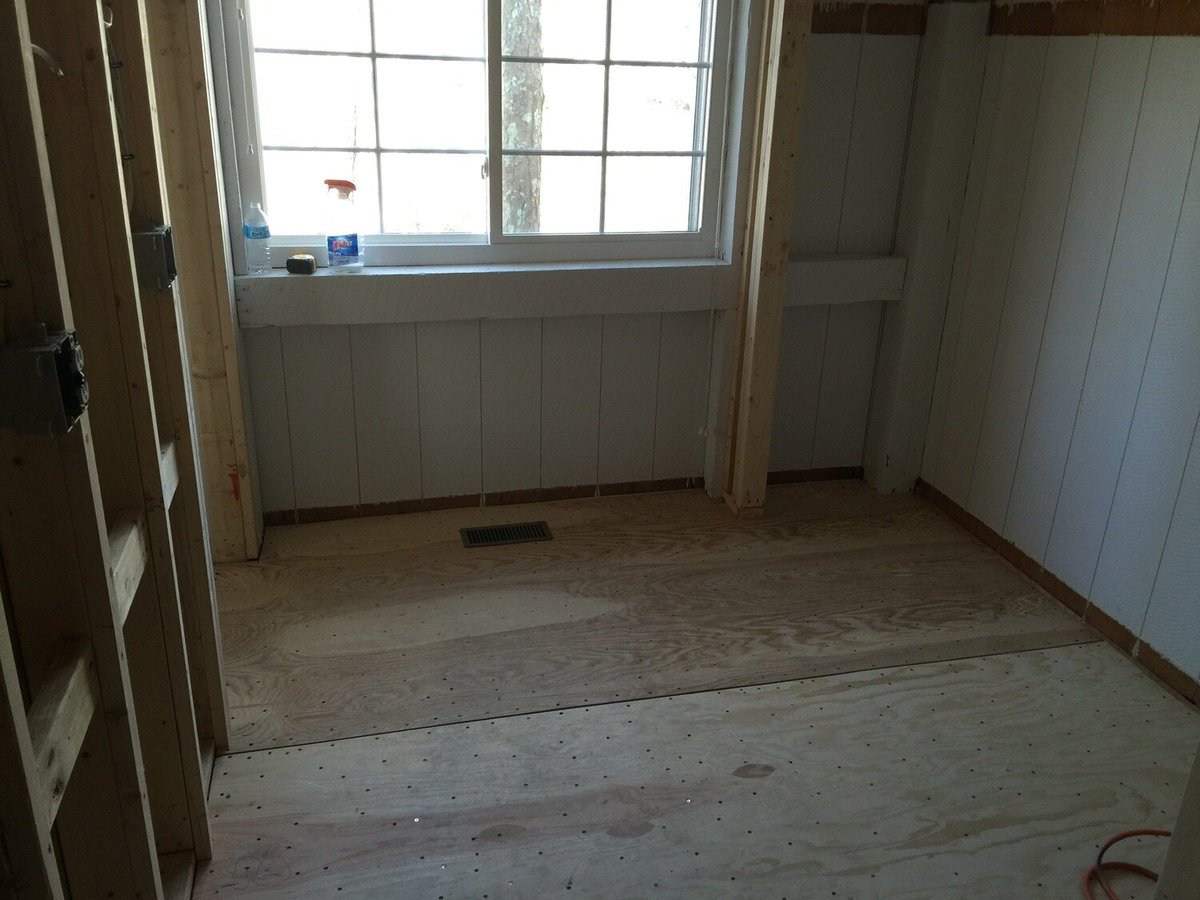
(28, 867)
(49, 494)
(127, 550)
(187, 129)
(59, 719)
(760, 303)
(86, 153)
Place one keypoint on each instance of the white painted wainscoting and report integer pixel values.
(1068, 389)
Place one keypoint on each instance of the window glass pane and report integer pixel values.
(304, 25)
(565, 29)
(652, 108)
(314, 101)
(553, 106)
(551, 194)
(430, 27)
(434, 193)
(295, 188)
(432, 104)
(657, 31)
(647, 193)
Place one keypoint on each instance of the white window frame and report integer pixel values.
(245, 181)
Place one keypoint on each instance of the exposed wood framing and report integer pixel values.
(50, 503)
(761, 298)
(59, 720)
(27, 865)
(187, 126)
(99, 732)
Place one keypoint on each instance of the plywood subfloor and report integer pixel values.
(981, 778)
(376, 625)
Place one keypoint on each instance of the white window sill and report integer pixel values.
(494, 291)
(540, 290)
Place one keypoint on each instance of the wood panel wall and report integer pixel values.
(348, 416)
(1068, 392)
(859, 94)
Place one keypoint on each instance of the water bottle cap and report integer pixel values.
(343, 187)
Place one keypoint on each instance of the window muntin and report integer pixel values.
(619, 157)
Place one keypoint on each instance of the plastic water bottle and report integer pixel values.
(343, 240)
(258, 240)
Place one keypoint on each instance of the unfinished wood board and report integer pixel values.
(365, 627)
(1133, 288)
(384, 363)
(1118, 78)
(982, 778)
(1031, 274)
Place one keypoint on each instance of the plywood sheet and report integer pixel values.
(393, 624)
(969, 778)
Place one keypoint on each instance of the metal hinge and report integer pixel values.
(154, 252)
(43, 388)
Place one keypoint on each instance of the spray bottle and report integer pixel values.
(343, 240)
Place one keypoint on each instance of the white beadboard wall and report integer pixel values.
(854, 132)
(346, 415)
(1068, 391)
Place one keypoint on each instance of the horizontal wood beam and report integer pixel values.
(127, 551)
(837, 279)
(59, 719)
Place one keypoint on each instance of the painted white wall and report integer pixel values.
(854, 131)
(348, 414)
(1068, 390)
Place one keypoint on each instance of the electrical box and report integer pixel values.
(42, 384)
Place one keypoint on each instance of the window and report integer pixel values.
(492, 130)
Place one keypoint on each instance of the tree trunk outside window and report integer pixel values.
(522, 116)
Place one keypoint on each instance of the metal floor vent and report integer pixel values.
(517, 533)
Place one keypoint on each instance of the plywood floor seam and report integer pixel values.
(920, 781)
(850, 698)
(361, 627)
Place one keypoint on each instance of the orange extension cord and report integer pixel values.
(1096, 872)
